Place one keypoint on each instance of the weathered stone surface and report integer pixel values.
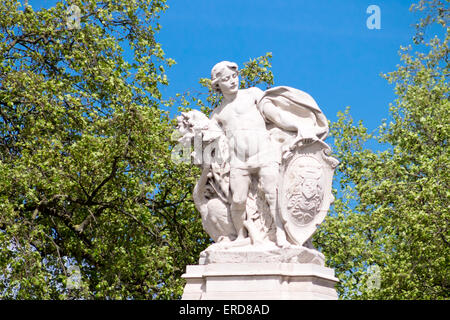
(267, 253)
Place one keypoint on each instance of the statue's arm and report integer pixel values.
(279, 117)
(272, 113)
(305, 126)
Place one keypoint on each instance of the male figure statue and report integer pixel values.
(251, 149)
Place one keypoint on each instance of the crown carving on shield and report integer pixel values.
(310, 171)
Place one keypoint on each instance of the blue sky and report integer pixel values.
(322, 47)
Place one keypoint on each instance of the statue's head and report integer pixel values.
(225, 77)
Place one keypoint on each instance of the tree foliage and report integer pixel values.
(85, 175)
(393, 211)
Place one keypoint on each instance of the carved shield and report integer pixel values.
(305, 190)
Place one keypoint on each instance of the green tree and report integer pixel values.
(86, 177)
(392, 209)
(85, 171)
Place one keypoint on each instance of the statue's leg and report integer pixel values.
(239, 183)
(269, 181)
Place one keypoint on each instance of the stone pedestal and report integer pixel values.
(259, 281)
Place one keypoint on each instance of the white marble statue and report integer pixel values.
(266, 172)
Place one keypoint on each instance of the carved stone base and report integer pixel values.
(266, 252)
(259, 281)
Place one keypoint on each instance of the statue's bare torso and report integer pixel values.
(245, 128)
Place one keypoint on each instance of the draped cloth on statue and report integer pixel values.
(298, 104)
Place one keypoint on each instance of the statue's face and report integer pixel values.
(229, 81)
